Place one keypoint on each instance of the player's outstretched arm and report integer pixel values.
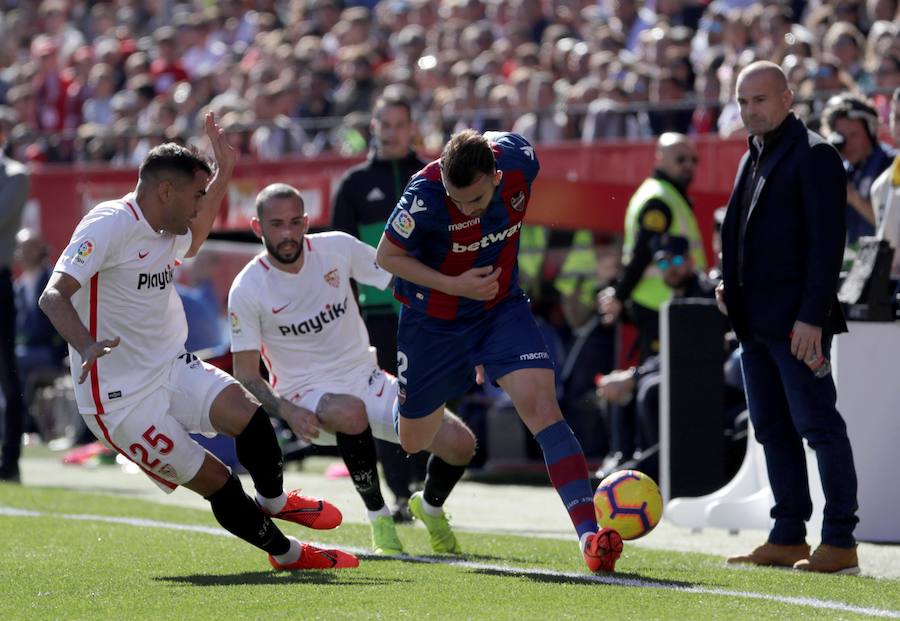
(56, 302)
(226, 158)
(478, 283)
(303, 422)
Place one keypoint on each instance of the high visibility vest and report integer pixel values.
(579, 270)
(651, 291)
(532, 248)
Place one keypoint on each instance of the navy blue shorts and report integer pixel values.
(436, 358)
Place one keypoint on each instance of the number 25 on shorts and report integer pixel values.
(162, 443)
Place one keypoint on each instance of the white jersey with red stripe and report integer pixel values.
(126, 273)
(306, 325)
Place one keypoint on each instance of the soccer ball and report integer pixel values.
(628, 501)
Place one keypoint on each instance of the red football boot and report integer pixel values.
(312, 557)
(309, 512)
(602, 550)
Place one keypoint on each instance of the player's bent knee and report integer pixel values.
(342, 413)
(232, 410)
(455, 442)
(417, 434)
(411, 443)
(463, 448)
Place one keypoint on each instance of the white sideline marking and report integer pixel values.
(516, 571)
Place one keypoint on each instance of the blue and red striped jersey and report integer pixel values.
(428, 226)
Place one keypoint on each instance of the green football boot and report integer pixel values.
(443, 541)
(384, 537)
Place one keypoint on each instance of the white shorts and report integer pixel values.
(155, 433)
(377, 389)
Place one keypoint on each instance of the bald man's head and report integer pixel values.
(675, 156)
(767, 69)
(763, 97)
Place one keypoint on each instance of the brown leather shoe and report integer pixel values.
(831, 560)
(772, 555)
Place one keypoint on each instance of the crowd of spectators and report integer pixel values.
(97, 81)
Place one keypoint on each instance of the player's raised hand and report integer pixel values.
(95, 350)
(302, 421)
(225, 154)
(479, 283)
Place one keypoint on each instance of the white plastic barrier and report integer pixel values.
(865, 367)
(866, 364)
(745, 502)
(749, 480)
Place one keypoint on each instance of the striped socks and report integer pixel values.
(568, 472)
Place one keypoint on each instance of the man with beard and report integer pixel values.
(112, 297)
(660, 205)
(293, 307)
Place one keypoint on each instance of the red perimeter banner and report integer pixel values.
(580, 186)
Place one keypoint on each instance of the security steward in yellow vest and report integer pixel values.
(659, 206)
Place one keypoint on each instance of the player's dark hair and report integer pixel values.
(276, 190)
(172, 158)
(467, 155)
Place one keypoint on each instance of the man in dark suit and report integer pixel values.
(39, 347)
(782, 246)
(13, 195)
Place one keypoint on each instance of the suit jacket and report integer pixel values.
(33, 328)
(13, 196)
(794, 238)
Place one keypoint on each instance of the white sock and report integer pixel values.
(272, 505)
(582, 543)
(382, 512)
(431, 509)
(291, 555)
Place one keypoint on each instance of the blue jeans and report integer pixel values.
(788, 402)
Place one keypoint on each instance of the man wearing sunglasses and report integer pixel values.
(659, 206)
(679, 272)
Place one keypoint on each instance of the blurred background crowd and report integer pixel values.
(94, 81)
(103, 82)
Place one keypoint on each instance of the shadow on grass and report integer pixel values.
(443, 559)
(337, 577)
(615, 579)
(489, 558)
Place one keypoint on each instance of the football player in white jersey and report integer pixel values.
(112, 297)
(293, 306)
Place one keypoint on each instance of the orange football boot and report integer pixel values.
(309, 512)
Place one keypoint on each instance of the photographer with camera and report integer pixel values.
(886, 192)
(851, 124)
